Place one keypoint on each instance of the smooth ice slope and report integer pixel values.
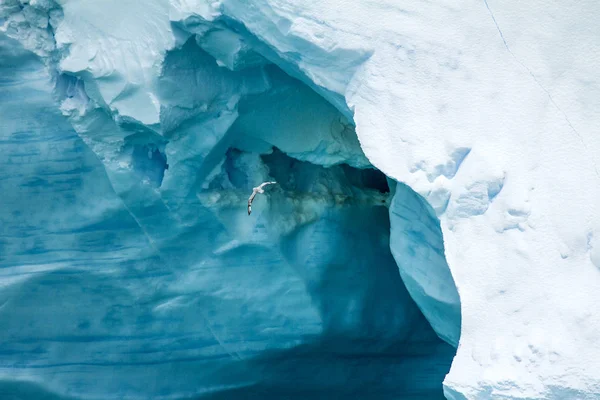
(487, 109)
(417, 246)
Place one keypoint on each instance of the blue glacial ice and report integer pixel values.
(129, 266)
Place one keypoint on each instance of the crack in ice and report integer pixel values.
(540, 85)
(234, 355)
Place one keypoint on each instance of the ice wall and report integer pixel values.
(130, 268)
(417, 245)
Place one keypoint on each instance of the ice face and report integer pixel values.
(416, 243)
(131, 269)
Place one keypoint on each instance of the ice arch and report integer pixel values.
(191, 293)
(416, 240)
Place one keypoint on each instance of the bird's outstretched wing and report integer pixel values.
(256, 190)
(250, 201)
(262, 185)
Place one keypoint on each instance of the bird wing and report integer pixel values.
(250, 201)
(252, 196)
(265, 184)
(256, 190)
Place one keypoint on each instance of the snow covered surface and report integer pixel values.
(489, 110)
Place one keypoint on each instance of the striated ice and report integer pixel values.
(130, 268)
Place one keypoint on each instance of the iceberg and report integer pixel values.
(130, 268)
(429, 235)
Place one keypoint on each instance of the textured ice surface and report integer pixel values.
(416, 243)
(130, 268)
(488, 110)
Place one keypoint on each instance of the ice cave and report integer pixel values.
(383, 263)
(133, 271)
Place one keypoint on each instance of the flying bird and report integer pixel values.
(258, 189)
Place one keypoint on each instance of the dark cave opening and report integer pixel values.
(283, 167)
(369, 178)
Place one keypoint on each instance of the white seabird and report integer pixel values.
(258, 189)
